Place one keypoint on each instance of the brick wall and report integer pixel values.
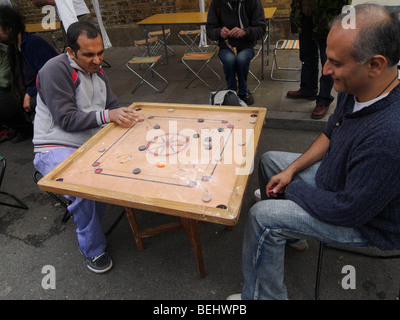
(126, 12)
(120, 16)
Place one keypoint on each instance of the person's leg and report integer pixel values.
(270, 224)
(324, 97)
(87, 213)
(243, 60)
(273, 162)
(228, 60)
(310, 58)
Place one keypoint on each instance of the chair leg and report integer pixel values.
(19, 205)
(257, 80)
(143, 78)
(319, 269)
(196, 74)
(275, 64)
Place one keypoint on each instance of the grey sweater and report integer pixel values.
(72, 104)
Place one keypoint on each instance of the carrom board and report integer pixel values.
(191, 161)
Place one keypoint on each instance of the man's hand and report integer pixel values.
(27, 103)
(225, 32)
(125, 117)
(278, 183)
(237, 33)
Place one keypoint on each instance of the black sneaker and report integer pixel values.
(100, 264)
(247, 98)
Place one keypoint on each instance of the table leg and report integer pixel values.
(191, 229)
(192, 233)
(134, 227)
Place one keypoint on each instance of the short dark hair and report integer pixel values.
(78, 28)
(379, 28)
(12, 20)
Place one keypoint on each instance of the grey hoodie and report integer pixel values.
(72, 104)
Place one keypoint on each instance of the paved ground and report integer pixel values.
(33, 239)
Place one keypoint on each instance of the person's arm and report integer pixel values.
(257, 23)
(314, 154)
(213, 27)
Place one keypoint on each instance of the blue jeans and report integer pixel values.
(87, 213)
(236, 65)
(272, 223)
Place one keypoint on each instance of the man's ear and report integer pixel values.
(71, 52)
(377, 64)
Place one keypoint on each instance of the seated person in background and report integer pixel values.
(27, 54)
(345, 189)
(236, 25)
(74, 101)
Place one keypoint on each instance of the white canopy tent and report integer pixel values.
(203, 37)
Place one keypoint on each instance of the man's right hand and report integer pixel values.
(225, 32)
(125, 117)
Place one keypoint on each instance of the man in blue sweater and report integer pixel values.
(345, 189)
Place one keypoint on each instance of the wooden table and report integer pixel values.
(206, 152)
(38, 28)
(180, 18)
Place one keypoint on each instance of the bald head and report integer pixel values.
(377, 30)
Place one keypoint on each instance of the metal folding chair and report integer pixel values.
(148, 46)
(17, 202)
(258, 52)
(161, 42)
(150, 63)
(285, 45)
(65, 203)
(189, 38)
(205, 58)
(361, 253)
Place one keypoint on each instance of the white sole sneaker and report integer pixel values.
(236, 296)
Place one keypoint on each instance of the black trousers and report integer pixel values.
(311, 51)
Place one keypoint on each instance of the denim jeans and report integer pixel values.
(236, 65)
(87, 213)
(272, 223)
(310, 51)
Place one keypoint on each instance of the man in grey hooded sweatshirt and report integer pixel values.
(74, 101)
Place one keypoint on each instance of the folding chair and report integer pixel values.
(149, 47)
(65, 203)
(258, 51)
(205, 57)
(361, 253)
(286, 45)
(18, 203)
(160, 35)
(189, 38)
(150, 63)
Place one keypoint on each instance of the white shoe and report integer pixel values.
(236, 296)
(299, 245)
(257, 195)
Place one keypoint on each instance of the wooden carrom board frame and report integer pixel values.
(74, 175)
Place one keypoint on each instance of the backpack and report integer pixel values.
(226, 98)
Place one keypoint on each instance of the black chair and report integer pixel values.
(361, 253)
(18, 203)
(65, 203)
